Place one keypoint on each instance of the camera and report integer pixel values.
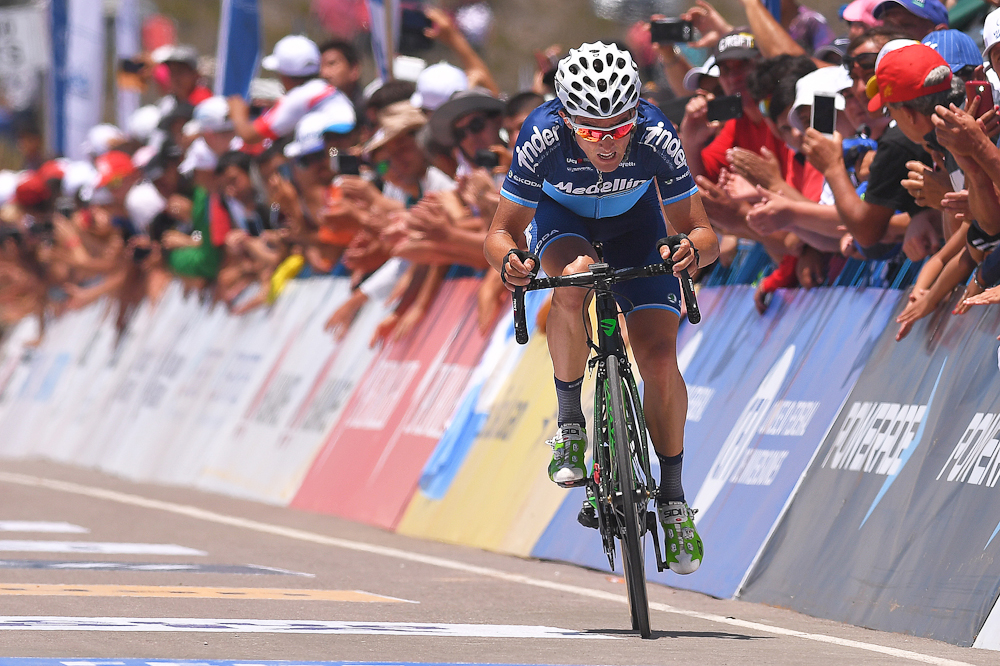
(671, 30)
(486, 159)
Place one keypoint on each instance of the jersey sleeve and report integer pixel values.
(539, 139)
(661, 142)
(280, 119)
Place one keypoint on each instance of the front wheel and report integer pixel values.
(633, 564)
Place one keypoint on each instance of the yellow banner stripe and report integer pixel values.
(257, 593)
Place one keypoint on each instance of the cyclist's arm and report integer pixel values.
(507, 233)
(688, 216)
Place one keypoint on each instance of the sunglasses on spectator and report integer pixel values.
(865, 61)
(595, 134)
(475, 126)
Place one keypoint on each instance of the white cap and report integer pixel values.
(692, 79)
(827, 81)
(892, 46)
(79, 176)
(144, 202)
(199, 157)
(991, 33)
(294, 55)
(436, 85)
(102, 138)
(408, 68)
(308, 135)
(9, 180)
(184, 53)
(211, 115)
(268, 90)
(143, 122)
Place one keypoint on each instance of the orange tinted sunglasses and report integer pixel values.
(595, 134)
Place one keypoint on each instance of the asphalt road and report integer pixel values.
(93, 567)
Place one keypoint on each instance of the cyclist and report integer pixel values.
(599, 164)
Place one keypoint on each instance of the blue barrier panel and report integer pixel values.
(762, 393)
(894, 525)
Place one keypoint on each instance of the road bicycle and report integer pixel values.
(620, 483)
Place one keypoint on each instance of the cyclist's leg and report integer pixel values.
(563, 246)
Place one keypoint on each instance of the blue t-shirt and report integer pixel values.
(547, 159)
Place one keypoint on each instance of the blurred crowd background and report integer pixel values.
(345, 158)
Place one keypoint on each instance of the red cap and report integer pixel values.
(113, 165)
(51, 170)
(900, 75)
(32, 192)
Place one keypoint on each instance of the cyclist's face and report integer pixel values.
(607, 153)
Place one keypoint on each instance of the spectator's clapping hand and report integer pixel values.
(771, 214)
(175, 240)
(696, 129)
(397, 230)
(366, 253)
(709, 23)
(958, 130)
(927, 185)
(762, 169)
(429, 220)
(235, 239)
(971, 291)
(358, 190)
(848, 248)
(921, 239)
(822, 151)
(916, 294)
(957, 203)
(737, 187)
(988, 297)
(478, 190)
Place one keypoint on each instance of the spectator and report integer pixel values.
(340, 66)
(183, 84)
(296, 59)
(913, 18)
(469, 122)
(30, 143)
(860, 16)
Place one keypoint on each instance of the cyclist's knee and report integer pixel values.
(572, 297)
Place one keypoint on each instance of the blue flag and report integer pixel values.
(239, 47)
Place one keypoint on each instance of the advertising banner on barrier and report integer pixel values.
(756, 414)
(501, 499)
(289, 417)
(894, 526)
(370, 466)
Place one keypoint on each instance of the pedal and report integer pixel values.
(587, 516)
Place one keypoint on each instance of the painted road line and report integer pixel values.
(36, 661)
(154, 567)
(41, 526)
(184, 592)
(188, 624)
(96, 548)
(454, 565)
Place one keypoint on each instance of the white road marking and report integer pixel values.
(40, 526)
(96, 548)
(186, 624)
(358, 546)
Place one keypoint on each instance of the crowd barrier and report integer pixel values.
(835, 471)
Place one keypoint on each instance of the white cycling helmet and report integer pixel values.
(597, 80)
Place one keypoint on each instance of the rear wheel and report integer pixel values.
(620, 434)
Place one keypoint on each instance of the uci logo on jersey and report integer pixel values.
(661, 138)
(529, 152)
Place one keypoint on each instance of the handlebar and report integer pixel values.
(591, 278)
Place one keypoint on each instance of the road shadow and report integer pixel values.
(720, 635)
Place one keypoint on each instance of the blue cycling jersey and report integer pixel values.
(547, 159)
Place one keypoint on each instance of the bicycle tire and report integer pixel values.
(633, 555)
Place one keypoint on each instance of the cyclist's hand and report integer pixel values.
(683, 257)
(517, 273)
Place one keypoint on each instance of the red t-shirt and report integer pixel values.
(803, 176)
(741, 133)
(199, 95)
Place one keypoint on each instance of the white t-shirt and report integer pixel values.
(434, 180)
(314, 95)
